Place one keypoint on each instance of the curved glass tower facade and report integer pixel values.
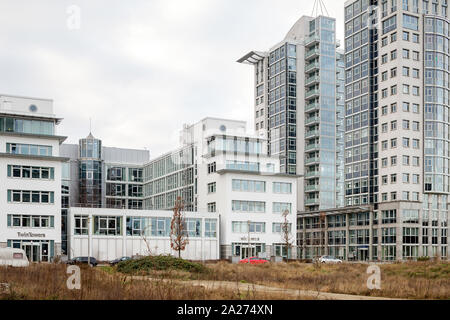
(436, 112)
(90, 171)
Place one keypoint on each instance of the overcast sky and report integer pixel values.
(141, 68)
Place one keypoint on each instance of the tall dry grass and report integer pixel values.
(48, 281)
(412, 280)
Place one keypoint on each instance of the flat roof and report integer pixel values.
(252, 57)
(354, 209)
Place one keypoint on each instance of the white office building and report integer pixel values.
(107, 234)
(221, 169)
(30, 177)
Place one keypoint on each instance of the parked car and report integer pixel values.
(83, 260)
(116, 261)
(13, 257)
(254, 260)
(329, 259)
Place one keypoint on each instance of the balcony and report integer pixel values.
(312, 106)
(312, 53)
(312, 120)
(312, 133)
(312, 160)
(312, 66)
(312, 174)
(312, 80)
(312, 93)
(311, 40)
(312, 188)
(312, 202)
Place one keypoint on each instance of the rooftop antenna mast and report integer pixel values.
(319, 5)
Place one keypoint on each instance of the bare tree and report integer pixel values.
(286, 235)
(146, 240)
(178, 233)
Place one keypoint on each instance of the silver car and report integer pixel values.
(329, 259)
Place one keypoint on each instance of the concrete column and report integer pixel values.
(370, 235)
(347, 235)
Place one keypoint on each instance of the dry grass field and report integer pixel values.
(414, 280)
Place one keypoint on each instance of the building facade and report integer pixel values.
(30, 177)
(221, 169)
(396, 136)
(299, 108)
(108, 234)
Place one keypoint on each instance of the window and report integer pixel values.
(389, 216)
(193, 227)
(29, 221)
(211, 167)
(406, 160)
(384, 59)
(415, 108)
(416, 161)
(248, 185)
(393, 161)
(281, 207)
(416, 126)
(110, 226)
(384, 162)
(384, 145)
(415, 73)
(415, 55)
(405, 195)
(245, 227)
(212, 187)
(405, 71)
(393, 72)
(415, 91)
(26, 172)
(393, 108)
(405, 107)
(81, 225)
(393, 178)
(393, 90)
(410, 22)
(248, 206)
(405, 177)
(384, 76)
(22, 196)
(393, 54)
(393, 196)
(405, 36)
(282, 187)
(405, 142)
(405, 124)
(415, 179)
(406, 89)
(212, 207)
(394, 143)
(415, 143)
(278, 227)
(211, 228)
(405, 53)
(29, 149)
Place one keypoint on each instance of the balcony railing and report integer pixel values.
(311, 120)
(312, 106)
(311, 66)
(312, 93)
(312, 80)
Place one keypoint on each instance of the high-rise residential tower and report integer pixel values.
(299, 108)
(396, 135)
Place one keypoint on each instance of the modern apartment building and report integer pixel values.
(30, 177)
(396, 136)
(299, 107)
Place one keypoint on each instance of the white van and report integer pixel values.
(13, 257)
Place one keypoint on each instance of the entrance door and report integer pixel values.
(32, 251)
(247, 252)
(363, 254)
